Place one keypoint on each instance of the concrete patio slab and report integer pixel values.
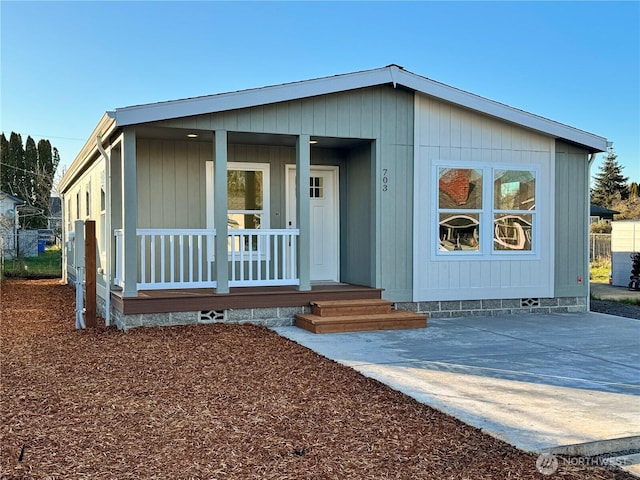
(535, 381)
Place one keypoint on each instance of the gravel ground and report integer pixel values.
(215, 401)
(616, 308)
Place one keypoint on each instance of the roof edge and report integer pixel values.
(501, 111)
(11, 197)
(105, 126)
(391, 74)
(253, 97)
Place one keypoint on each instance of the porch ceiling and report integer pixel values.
(246, 138)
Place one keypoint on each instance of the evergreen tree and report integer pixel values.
(28, 173)
(6, 172)
(609, 182)
(45, 172)
(30, 162)
(16, 162)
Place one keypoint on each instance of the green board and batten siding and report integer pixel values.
(571, 221)
(171, 187)
(382, 114)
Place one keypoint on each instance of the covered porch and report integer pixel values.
(264, 242)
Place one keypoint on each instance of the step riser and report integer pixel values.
(390, 324)
(340, 311)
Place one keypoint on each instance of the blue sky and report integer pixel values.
(64, 64)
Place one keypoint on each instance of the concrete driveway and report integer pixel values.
(535, 381)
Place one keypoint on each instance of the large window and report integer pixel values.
(247, 202)
(246, 199)
(486, 210)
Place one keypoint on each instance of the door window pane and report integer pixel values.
(316, 187)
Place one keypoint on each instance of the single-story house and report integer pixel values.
(249, 205)
(9, 224)
(601, 213)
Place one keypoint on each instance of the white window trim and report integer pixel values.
(486, 251)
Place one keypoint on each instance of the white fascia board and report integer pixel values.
(391, 74)
(104, 128)
(496, 109)
(250, 98)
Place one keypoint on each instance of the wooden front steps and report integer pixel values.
(335, 316)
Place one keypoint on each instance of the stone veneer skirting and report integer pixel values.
(284, 316)
(507, 306)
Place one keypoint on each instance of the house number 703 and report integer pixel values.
(385, 179)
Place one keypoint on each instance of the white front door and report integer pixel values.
(324, 219)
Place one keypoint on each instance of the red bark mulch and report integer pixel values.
(214, 401)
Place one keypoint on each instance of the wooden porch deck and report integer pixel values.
(204, 299)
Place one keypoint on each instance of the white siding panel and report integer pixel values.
(620, 268)
(625, 236)
(470, 137)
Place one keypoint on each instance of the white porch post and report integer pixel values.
(129, 213)
(303, 169)
(220, 210)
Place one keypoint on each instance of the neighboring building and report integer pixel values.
(625, 240)
(601, 213)
(450, 203)
(54, 222)
(9, 224)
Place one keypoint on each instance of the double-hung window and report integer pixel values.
(247, 203)
(486, 210)
(514, 210)
(246, 199)
(460, 206)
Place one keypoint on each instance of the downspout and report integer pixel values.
(107, 230)
(64, 239)
(592, 157)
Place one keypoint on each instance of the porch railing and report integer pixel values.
(175, 258)
(118, 278)
(184, 258)
(262, 257)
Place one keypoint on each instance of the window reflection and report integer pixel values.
(512, 232)
(514, 190)
(460, 188)
(459, 231)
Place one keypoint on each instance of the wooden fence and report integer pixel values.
(599, 246)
